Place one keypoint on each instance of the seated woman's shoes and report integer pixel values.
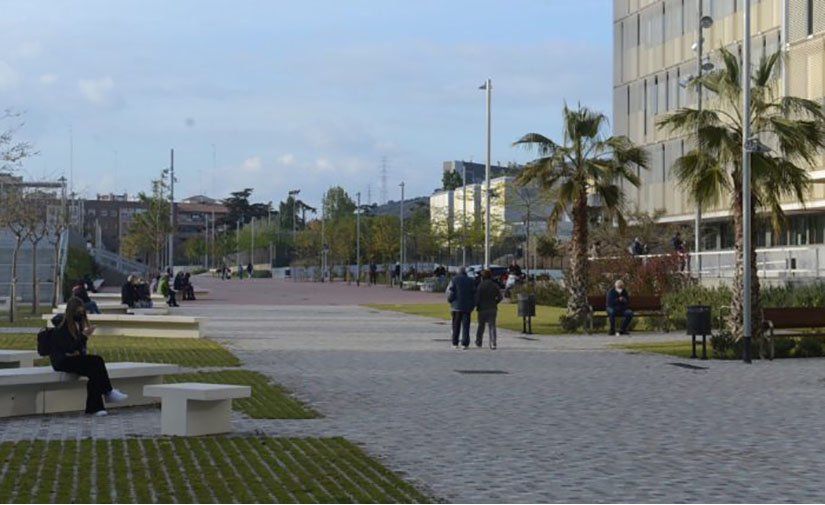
(116, 396)
(101, 413)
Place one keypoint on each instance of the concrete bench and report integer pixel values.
(191, 409)
(5, 302)
(144, 326)
(41, 390)
(13, 358)
(105, 307)
(154, 311)
(116, 298)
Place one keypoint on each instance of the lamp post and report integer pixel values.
(704, 23)
(293, 194)
(358, 240)
(401, 245)
(238, 247)
(746, 185)
(464, 225)
(488, 88)
(172, 209)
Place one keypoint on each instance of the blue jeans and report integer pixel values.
(626, 316)
(91, 307)
(461, 322)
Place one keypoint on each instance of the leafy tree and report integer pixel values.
(149, 230)
(451, 179)
(195, 248)
(337, 203)
(584, 162)
(240, 209)
(795, 127)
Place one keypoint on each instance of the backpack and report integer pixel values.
(44, 341)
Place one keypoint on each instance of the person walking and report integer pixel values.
(461, 295)
(488, 296)
(373, 273)
(679, 250)
(249, 269)
(618, 304)
(68, 354)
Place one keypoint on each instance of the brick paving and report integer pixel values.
(571, 420)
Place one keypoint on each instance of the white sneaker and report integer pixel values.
(101, 413)
(455, 347)
(116, 396)
(464, 347)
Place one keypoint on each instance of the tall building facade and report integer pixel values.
(654, 57)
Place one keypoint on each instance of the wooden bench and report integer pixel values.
(13, 358)
(792, 318)
(641, 305)
(41, 390)
(144, 326)
(105, 307)
(191, 409)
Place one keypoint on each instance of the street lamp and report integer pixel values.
(401, 245)
(705, 22)
(488, 88)
(293, 194)
(747, 148)
(358, 240)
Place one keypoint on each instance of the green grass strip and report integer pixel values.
(269, 476)
(16, 464)
(337, 493)
(122, 477)
(28, 480)
(138, 474)
(268, 401)
(178, 479)
(250, 478)
(680, 348)
(47, 477)
(306, 480)
(360, 489)
(84, 474)
(298, 493)
(191, 352)
(102, 467)
(210, 471)
(65, 475)
(194, 475)
(157, 472)
(6, 449)
(235, 484)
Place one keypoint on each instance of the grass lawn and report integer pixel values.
(197, 470)
(192, 352)
(546, 321)
(680, 348)
(25, 318)
(268, 401)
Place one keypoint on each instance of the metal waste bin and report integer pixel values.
(526, 311)
(698, 323)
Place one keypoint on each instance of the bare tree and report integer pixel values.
(38, 230)
(15, 215)
(12, 153)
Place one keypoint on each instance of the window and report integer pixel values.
(810, 18)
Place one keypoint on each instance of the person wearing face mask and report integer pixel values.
(68, 354)
(618, 304)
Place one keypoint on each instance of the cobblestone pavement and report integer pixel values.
(570, 420)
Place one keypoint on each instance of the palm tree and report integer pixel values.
(794, 127)
(584, 163)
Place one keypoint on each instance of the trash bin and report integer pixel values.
(526, 305)
(698, 323)
(698, 320)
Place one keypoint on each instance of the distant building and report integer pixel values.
(393, 207)
(476, 171)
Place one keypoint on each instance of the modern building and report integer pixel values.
(476, 172)
(653, 59)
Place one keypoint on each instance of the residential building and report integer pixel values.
(653, 59)
(476, 172)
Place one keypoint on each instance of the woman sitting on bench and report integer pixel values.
(68, 354)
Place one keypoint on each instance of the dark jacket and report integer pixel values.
(461, 294)
(80, 291)
(616, 302)
(488, 296)
(63, 343)
(128, 294)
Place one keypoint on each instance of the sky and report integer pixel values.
(279, 95)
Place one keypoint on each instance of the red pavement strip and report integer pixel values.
(285, 292)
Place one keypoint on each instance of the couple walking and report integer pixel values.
(464, 296)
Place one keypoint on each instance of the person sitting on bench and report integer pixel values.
(167, 291)
(618, 304)
(188, 288)
(143, 294)
(128, 292)
(68, 354)
(79, 290)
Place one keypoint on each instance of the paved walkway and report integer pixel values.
(570, 420)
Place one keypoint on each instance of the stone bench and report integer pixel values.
(41, 390)
(144, 326)
(105, 307)
(5, 302)
(13, 358)
(111, 297)
(191, 409)
(154, 311)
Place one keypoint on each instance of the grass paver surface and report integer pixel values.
(198, 470)
(268, 401)
(546, 321)
(192, 352)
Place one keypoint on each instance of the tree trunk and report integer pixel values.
(35, 291)
(577, 307)
(736, 321)
(13, 294)
(56, 276)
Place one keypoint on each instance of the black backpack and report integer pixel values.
(44, 336)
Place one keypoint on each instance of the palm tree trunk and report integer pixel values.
(577, 307)
(735, 322)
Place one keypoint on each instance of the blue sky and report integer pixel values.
(302, 94)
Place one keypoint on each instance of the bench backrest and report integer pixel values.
(641, 302)
(795, 317)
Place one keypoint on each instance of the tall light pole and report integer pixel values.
(293, 194)
(269, 231)
(358, 240)
(238, 248)
(172, 209)
(704, 22)
(323, 238)
(252, 245)
(464, 226)
(401, 245)
(746, 185)
(488, 88)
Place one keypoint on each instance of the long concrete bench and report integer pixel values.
(105, 307)
(191, 409)
(41, 390)
(5, 302)
(112, 297)
(154, 311)
(144, 326)
(13, 358)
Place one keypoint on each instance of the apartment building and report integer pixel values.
(654, 57)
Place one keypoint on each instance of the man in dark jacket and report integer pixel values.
(488, 296)
(461, 295)
(618, 304)
(128, 292)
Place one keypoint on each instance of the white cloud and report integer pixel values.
(96, 90)
(252, 164)
(47, 79)
(29, 49)
(287, 159)
(8, 76)
(323, 164)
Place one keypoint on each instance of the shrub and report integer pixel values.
(794, 295)
(722, 345)
(546, 292)
(784, 347)
(806, 347)
(78, 263)
(675, 303)
(261, 274)
(642, 276)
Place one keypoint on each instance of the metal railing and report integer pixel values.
(118, 262)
